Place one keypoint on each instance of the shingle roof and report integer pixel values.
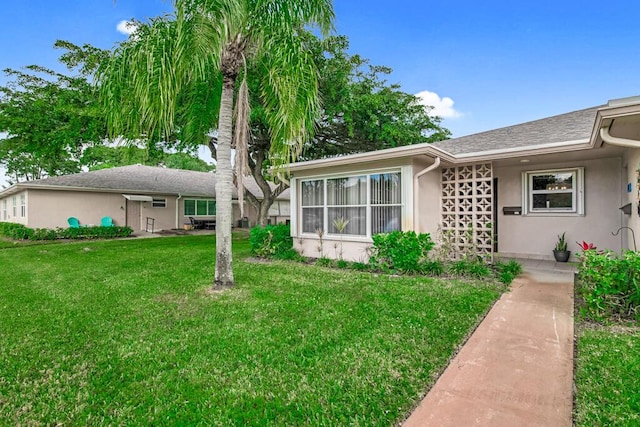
(147, 179)
(573, 126)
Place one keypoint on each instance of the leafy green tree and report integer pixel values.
(49, 116)
(361, 112)
(176, 67)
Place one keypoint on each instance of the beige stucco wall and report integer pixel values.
(163, 218)
(50, 209)
(535, 236)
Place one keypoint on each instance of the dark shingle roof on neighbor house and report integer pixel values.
(573, 126)
(146, 179)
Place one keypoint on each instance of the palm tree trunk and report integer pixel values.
(224, 188)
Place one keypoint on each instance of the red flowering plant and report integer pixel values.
(586, 246)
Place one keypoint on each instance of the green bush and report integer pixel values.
(270, 241)
(359, 266)
(506, 277)
(14, 231)
(342, 263)
(325, 262)
(432, 268)
(20, 232)
(466, 268)
(610, 285)
(401, 251)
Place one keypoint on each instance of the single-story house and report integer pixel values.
(138, 196)
(507, 192)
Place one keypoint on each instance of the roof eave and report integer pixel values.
(373, 156)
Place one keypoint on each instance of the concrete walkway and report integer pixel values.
(517, 367)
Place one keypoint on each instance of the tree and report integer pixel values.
(150, 84)
(49, 116)
(102, 156)
(361, 112)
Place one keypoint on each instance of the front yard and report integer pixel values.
(127, 333)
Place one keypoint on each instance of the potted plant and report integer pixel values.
(560, 253)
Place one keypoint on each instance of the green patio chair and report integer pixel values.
(106, 221)
(73, 222)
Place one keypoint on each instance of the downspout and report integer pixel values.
(416, 193)
(178, 210)
(624, 142)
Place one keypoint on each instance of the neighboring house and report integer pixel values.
(132, 195)
(509, 191)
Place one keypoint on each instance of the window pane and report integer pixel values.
(553, 201)
(385, 219)
(312, 219)
(553, 181)
(190, 207)
(159, 203)
(201, 207)
(386, 189)
(312, 193)
(211, 207)
(347, 191)
(355, 218)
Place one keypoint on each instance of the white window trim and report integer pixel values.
(23, 206)
(577, 191)
(367, 174)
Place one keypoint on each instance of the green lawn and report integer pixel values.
(608, 376)
(126, 333)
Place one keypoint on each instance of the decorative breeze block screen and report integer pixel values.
(467, 207)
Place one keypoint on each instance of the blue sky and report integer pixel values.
(484, 64)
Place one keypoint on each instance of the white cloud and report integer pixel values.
(126, 27)
(442, 107)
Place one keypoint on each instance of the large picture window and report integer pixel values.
(554, 191)
(359, 205)
(199, 207)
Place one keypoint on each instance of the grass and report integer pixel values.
(607, 373)
(127, 333)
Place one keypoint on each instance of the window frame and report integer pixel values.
(367, 206)
(14, 206)
(195, 207)
(23, 205)
(4, 209)
(159, 202)
(577, 193)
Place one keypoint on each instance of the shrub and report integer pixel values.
(324, 262)
(290, 255)
(15, 231)
(469, 268)
(432, 268)
(506, 277)
(270, 241)
(402, 251)
(359, 266)
(513, 267)
(508, 271)
(610, 285)
(342, 263)
(458, 268)
(20, 232)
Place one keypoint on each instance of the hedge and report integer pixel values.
(21, 232)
